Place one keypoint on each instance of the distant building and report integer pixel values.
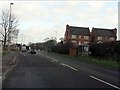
(77, 35)
(100, 35)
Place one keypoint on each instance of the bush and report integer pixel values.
(62, 48)
(107, 49)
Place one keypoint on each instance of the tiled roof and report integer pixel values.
(79, 30)
(104, 32)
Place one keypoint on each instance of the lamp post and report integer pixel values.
(9, 29)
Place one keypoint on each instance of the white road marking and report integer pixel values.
(24, 55)
(69, 66)
(105, 82)
(54, 60)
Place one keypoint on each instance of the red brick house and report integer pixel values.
(100, 35)
(78, 36)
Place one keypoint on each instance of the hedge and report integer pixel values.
(107, 49)
(62, 48)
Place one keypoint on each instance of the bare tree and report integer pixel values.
(8, 26)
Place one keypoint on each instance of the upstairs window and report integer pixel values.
(86, 37)
(73, 36)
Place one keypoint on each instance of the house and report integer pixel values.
(79, 36)
(100, 35)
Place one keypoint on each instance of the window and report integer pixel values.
(111, 38)
(80, 36)
(74, 36)
(73, 41)
(80, 43)
(86, 37)
(99, 38)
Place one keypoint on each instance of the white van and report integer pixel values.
(23, 48)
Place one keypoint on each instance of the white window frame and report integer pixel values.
(86, 37)
(74, 36)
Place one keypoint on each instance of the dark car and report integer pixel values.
(32, 51)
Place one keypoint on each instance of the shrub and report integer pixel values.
(62, 48)
(107, 49)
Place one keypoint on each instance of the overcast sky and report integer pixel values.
(41, 19)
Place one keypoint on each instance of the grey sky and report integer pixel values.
(40, 19)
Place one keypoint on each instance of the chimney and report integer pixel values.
(67, 27)
(66, 33)
(115, 31)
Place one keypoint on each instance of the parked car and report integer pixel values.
(32, 51)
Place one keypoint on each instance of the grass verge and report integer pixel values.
(101, 61)
(3, 53)
(98, 61)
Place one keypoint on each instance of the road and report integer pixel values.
(40, 71)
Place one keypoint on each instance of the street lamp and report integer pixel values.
(9, 28)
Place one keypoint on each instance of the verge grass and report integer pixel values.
(3, 53)
(105, 62)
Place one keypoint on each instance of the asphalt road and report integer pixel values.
(40, 71)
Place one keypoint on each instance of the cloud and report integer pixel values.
(40, 19)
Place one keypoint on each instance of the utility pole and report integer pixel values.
(9, 29)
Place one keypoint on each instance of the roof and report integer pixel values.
(104, 32)
(79, 30)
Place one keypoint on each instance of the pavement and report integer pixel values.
(7, 63)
